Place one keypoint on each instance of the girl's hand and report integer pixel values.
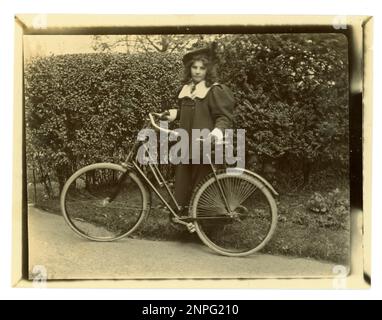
(169, 115)
(217, 135)
(164, 116)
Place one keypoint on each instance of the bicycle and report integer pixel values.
(233, 214)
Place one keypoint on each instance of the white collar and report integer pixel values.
(201, 90)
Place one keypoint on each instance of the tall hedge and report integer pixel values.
(86, 108)
(291, 92)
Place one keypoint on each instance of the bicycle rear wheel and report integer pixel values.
(253, 215)
(104, 202)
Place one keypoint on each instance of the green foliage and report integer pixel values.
(333, 208)
(87, 108)
(291, 92)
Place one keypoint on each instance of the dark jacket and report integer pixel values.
(210, 108)
(205, 108)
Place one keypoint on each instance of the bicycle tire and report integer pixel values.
(87, 208)
(222, 233)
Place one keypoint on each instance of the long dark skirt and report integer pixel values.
(187, 177)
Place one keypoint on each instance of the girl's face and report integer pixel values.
(198, 71)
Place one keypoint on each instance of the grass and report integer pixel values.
(299, 233)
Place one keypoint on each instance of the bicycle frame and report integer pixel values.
(205, 202)
(131, 164)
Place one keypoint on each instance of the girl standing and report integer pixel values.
(203, 103)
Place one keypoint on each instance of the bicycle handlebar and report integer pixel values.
(176, 134)
(151, 116)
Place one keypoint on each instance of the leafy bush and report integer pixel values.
(333, 207)
(87, 108)
(291, 92)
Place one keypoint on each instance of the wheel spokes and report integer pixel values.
(246, 226)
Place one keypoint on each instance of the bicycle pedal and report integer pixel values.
(191, 227)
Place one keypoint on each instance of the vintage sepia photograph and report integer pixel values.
(181, 153)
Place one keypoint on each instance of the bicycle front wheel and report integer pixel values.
(104, 202)
(247, 226)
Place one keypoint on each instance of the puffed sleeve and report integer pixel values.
(222, 103)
